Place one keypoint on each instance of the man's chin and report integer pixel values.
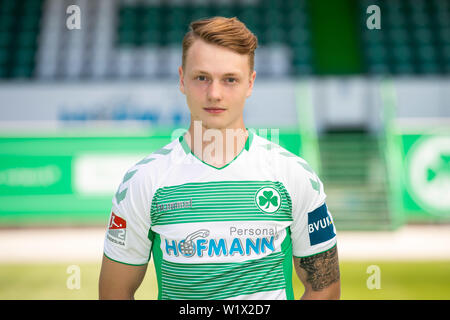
(217, 124)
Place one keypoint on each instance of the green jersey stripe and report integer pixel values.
(242, 291)
(206, 267)
(207, 218)
(175, 282)
(224, 293)
(217, 185)
(200, 281)
(220, 201)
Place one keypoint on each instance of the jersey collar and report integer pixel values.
(247, 145)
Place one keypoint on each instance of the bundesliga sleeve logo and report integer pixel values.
(117, 230)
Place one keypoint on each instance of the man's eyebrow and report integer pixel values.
(231, 74)
(228, 74)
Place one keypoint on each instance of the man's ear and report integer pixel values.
(180, 73)
(251, 83)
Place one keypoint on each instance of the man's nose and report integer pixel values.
(214, 91)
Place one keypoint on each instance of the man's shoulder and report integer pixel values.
(272, 150)
(299, 178)
(156, 162)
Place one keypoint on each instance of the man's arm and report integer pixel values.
(119, 281)
(320, 275)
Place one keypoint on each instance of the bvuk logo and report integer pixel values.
(268, 199)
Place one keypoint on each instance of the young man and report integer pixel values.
(222, 210)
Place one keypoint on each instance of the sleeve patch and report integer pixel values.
(320, 225)
(117, 230)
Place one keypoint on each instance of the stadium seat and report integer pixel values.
(414, 35)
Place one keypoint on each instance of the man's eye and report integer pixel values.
(230, 80)
(201, 78)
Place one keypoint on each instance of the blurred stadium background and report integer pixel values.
(368, 108)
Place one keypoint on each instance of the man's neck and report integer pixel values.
(216, 147)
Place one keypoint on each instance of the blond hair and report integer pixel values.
(226, 32)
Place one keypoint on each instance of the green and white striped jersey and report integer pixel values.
(220, 233)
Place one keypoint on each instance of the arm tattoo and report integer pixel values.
(322, 269)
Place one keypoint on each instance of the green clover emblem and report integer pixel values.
(268, 199)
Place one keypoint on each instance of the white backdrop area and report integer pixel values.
(335, 102)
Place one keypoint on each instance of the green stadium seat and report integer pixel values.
(173, 36)
(401, 54)
(394, 20)
(22, 71)
(4, 56)
(301, 55)
(394, 5)
(223, 11)
(272, 19)
(197, 12)
(419, 19)
(8, 6)
(128, 23)
(150, 36)
(271, 4)
(295, 18)
(443, 19)
(377, 54)
(298, 36)
(249, 14)
(127, 37)
(378, 68)
(398, 36)
(404, 68)
(414, 33)
(302, 69)
(150, 18)
(250, 17)
(3, 72)
(29, 22)
(5, 39)
(373, 37)
(444, 35)
(6, 22)
(32, 5)
(423, 36)
(27, 39)
(24, 56)
(427, 54)
(429, 68)
(274, 35)
(128, 18)
(446, 53)
(174, 18)
(291, 5)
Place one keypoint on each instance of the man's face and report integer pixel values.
(216, 82)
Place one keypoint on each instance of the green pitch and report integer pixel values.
(398, 280)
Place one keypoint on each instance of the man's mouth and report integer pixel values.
(214, 110)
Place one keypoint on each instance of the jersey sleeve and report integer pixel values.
(312, 229)
(126, 239)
